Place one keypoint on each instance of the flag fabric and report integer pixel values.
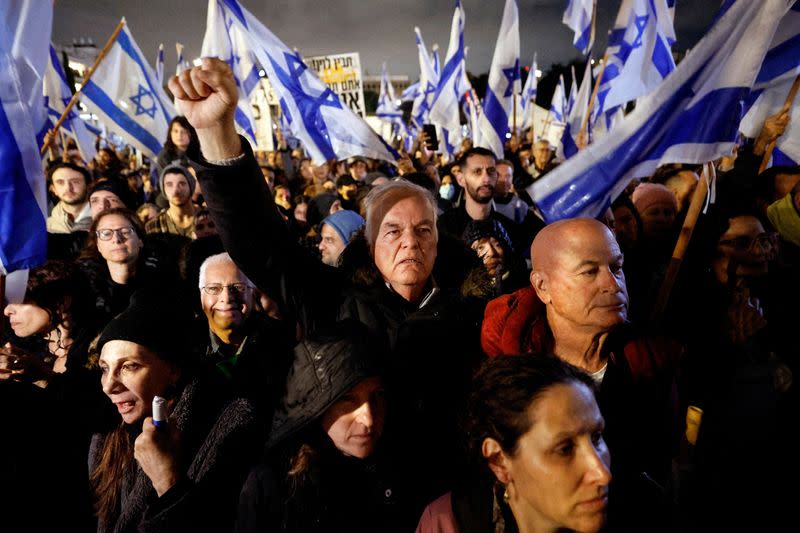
(387, 109)
(125, 95)
(769, 102)
(327, 128)
(473, 112)
(503, 82)
(225, 40)
(56, 97)
(573, 91)
(578, 17)
(180, 66)
(428, 81)
(558, 104)
(639, 55)
(690, 118)
(453, 83)
(782, 61)
(435, 59)
(529, 96)
(24, 40)
(160, 65)
(410, 92)
(580, 105)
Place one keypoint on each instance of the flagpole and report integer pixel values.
(787, 105)
(515, 114)
(585, 123)
(2, 299)
(708, 175)
(86, 79)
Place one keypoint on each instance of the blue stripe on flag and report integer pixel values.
(497, 116)
(250, 82)
(709, 121)
(583, 41)
(233, 5)
(101, 99)
(780, 60)
(23, 229)
(127, 46)
(662, 58)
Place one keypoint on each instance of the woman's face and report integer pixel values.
(300, 212)
(355, 422)
(743, 251)
(658, 219)
(131, 376)
(27, 319)
(180, 136)
(559, 475)
(119, 248)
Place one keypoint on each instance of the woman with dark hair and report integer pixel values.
(178, 472)
(535, 433)
(118, 261)
(327, 465)
(181, 143)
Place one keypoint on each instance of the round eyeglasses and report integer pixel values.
(107, 233)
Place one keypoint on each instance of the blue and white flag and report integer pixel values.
(428, 81)
(125, 95)
(528, 96)
(410, 92)
(769, 102)
(474, 113)
(580, 105)
(160, 64)
(387, 109)
(56, 97)
(692, 117)
(503, 82)
(453, 83)
(225, 40)
(558, 104)
(639, 55)
(181, 65)
(24, 40)
(327, 128)
(437, 68)
(782, 61)
(579, 18)
(573, 91)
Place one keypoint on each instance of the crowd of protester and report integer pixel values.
(357, 346)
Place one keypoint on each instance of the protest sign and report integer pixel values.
(342, 73)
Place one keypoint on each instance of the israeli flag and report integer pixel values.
(528, 97)
(56, 97)
(558, 104)
(782, 61)
(580, 105)
(328, 129)
(503, 82)
(453, 83)
(578, 17)
(160, 65)
(573, 91)
(474, 113)
(227, 41)
(410, 92)
(639, 55)
(181, 65)
(24, 39)
(387, 108)
(435, 59)
(124, 94)
(692, 117)
(428, 81)
(769, 102)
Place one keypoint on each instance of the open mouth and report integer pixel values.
(125, 407)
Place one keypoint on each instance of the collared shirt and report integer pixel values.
(163, 223)
(60, 221)
(223, 354)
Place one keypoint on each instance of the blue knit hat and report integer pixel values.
(345, 222)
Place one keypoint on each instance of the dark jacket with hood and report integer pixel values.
(433, 344)
(332, 492)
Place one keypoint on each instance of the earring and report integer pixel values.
(505, 494)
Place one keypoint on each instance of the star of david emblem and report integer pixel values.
(512, 75)
(641, 23)
(430, 89)
(141, 99)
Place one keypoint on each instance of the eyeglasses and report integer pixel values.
(215, 289)
(108, 233)
(745, 244)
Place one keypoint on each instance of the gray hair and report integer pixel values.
(216, 260)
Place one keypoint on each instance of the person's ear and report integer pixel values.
(540, 284)
(498, 461)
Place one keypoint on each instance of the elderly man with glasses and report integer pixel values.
(248, 348)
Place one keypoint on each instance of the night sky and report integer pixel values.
(381, 30)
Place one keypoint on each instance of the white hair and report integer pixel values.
(216, 260)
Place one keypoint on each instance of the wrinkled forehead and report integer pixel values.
(586, 244)
(410, 210)
(224, 272)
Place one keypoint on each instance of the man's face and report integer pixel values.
(354, 423)
(658, 219)
(505, 178)
(405, 248)
(491, 253)
(330, 246)
(541, 154)
(69, 186)
(227, 310)
(743, 251)
(478, 178)
(176, 189)
(583, 284)
(625, 227)
(99, 201)
(320, 172)
(358, 170)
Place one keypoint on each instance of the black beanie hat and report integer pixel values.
(477, 229)
(156, 320)
(118, 187)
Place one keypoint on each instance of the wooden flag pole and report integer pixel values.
(585, 123)
(515, 114)
(682, 244)
(787, 105)
(88, 76)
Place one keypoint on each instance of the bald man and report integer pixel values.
(576, 308)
